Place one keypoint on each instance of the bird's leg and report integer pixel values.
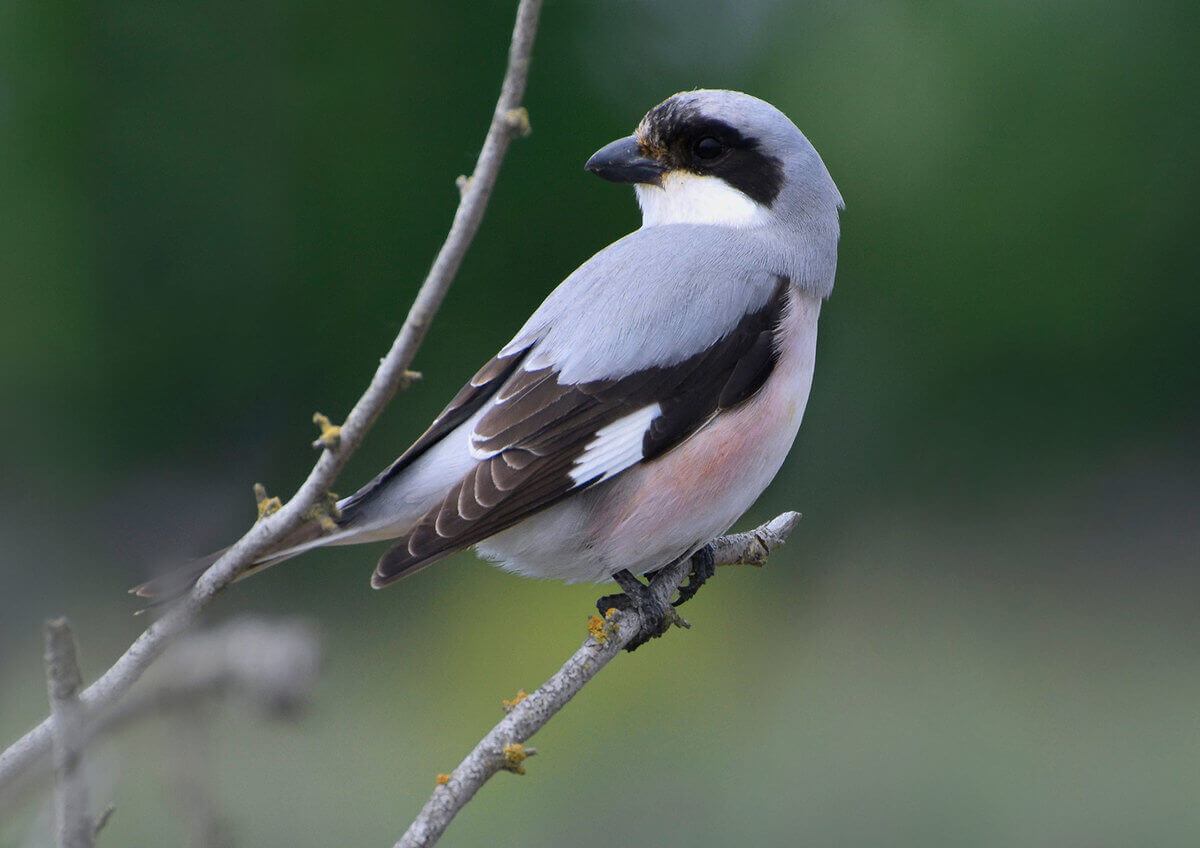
(656, 615)
(632, 589)
(704, 566)
(651, 602)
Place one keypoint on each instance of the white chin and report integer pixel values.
(693, 199)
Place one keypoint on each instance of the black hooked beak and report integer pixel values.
(623, 162)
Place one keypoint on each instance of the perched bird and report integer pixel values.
(653, 396)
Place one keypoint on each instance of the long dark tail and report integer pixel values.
(176, 582)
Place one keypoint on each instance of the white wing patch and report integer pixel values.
(615, 447)
(694, 199)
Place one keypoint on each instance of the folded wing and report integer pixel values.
(541, 438)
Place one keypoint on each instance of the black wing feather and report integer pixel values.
(478, 390)
(542, 427)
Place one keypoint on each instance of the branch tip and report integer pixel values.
(71, 791)
(755, 546)
(62, 662)
(331, 434)
(266, 505)
(676, 619)
(518, 121)
(103, 818)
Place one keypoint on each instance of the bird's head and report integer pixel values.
(720, 157)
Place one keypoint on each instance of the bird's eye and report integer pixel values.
(709, 148)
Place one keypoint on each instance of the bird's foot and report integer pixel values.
(656, 615)
(704, 566)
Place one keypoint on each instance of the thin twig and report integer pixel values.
(102, 819)
(72, 804)
(509, 120)
(270, 665)
(498, 749)
(754, 546)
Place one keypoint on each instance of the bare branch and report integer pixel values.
(393, 372)
(72, 806)
(270, 665)
(754, 546)
(527, 715)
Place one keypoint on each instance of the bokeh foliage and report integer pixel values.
(214, 217)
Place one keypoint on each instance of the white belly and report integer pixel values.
(660, 510)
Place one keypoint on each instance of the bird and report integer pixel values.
(654, 394)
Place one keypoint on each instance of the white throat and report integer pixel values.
(693, 199)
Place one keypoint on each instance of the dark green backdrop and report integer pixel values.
(213, 218)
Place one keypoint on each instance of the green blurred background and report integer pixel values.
(984, 632)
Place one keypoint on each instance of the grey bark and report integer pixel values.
(72, 803)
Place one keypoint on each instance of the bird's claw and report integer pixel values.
(620, 601)
(656, 617)
(704, 566)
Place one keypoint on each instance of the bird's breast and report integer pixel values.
(661, 508)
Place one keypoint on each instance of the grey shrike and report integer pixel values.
(652, 397)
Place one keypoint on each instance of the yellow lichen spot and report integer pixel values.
(602, 628)
(331, 434)
(518, 121)
(442, 779)
(266, 505)
(325, 512)
(409, 377)
(518, 698)
(514, 756)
